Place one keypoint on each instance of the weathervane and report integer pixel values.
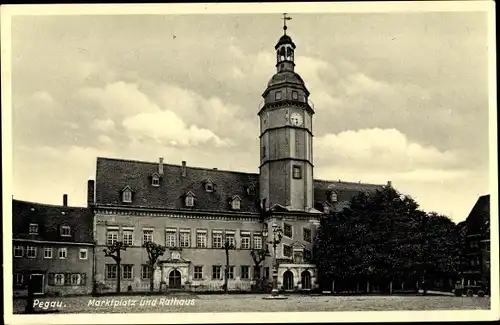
(285, 18)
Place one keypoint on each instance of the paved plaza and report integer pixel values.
(251, 303)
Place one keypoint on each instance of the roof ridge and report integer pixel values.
(175, 165)
(50, 205)
(347, 182)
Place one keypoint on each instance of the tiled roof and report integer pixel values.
(479, 217)
(49, 219)
(113, 175)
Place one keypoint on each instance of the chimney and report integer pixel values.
(65, 200)
(389, 184)
(215, 168)
(160, 167)
(183, 169)
(90, 193)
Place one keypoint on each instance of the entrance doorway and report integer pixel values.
(37, 282)
(306, 280)
(174, 279)
(288, 280)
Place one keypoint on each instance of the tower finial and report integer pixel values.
(285, 18)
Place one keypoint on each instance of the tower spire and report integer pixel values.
(285, 18)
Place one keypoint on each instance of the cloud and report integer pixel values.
(43, 96)
(104, 139)
(166, 127)
(104, 125)
(380, 149)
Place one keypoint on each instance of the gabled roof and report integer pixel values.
(114, 174)
(479, 217)
(49, 219)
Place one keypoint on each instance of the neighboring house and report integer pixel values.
(476, 250)
(53, 246)
(193, 211)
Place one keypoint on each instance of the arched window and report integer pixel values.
(282, 54)
(289, 53)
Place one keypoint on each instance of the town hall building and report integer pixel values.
(193, 211)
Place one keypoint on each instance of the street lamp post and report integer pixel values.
(276, 239)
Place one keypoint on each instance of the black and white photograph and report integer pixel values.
(277, 162)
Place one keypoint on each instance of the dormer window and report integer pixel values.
(33, 229)
(209, 186)
(326, 208)
(251, 190)
(333, 196)
(295, 95)
(189, 200)
(236, 202)
(155, 180)
(127, 195)
(65, 231)
(277, 95)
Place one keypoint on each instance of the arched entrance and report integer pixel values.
(288, 280)
(174, 279)
(305, 279)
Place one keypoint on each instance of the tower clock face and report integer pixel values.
(296, 119)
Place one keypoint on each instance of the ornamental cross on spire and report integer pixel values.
(285, 18)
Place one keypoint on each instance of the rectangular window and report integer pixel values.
(230, 272)
(295, 95)
(230, 239)
(155, 181)
(147, 236)
(277, 95)
(185, 238)
(76, 279)
(18, 279)
(18, 251)
(257, 241)
(217, 240)
(266, 272)
(287, 230)
(111, 237)
(256, 272)
(65, 231)
(47, 252)
(144, 271)
(33, 228)
(307, 256)
(111, 273)
(59, 279)
(236, 204)
(198, 272)
(287, 251)
(128, 237)
(170, 238)
(245, 241)
(245, 272)
(297, 172)
(216, 272)
(62, 253)
(31, 251)
(127, 271)
(307, 235)
(201, 239)
(83, 253)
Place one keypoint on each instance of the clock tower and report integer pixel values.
(286, 157)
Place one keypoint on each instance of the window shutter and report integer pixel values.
(84, 278)
(67, 279)
(51, 279)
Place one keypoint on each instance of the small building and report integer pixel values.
(53, 246)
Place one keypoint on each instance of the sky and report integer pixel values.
(400, 97)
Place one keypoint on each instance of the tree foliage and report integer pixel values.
(114, 251)
(384, 236)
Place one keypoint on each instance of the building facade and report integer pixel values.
(52, 246)
(476, 249)
(194, 211)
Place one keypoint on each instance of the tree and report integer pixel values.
(154, 251)
(227, 246)
(114, 251)
(258, 256)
